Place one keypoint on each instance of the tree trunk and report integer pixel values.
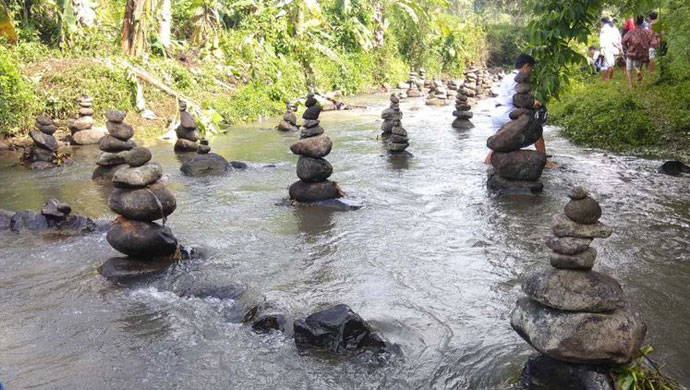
(379, 33)
(165, 23)
(135, 27)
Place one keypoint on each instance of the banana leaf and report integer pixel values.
(6, 24)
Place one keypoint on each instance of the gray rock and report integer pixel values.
(86, 111)
(187, 121)
(397, 147)
(44, 141)
(463, 107)
(311, 132)
(523, 100)
(463, 114)
(311, 123)
(238, 165)
(286, 126)
(595, 338)
(523, 88)
(130, 177)
(145, 204)
(519, 165)
(115, 116)
(185, 146)
(313, 170)
(28, 221)
(47, 129)
(313, 192)
(53, 208)
(568, 245)
(121, 131)
(105, 173)
(138, 157)
(517, 113)
(111, 144)
(462, 124)
(205, 165)
(572, 290)
(41, 155)
(522, 78)
(389, 113)
(515, 135)
(506, 186)
(565, 227)
(583, 261)
(44, 120)
(88, 137)
(585, 211)
(204, 149)
(82, 123)
(319, 146)
(5, 219)
(106, 159)
(187, 134)
(127, 271)
(398, 139)
(141, 240)
(578, 193)
(544, 373)
(312, 112)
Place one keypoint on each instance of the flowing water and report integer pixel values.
(433, 261)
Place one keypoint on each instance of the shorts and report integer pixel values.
(652, 53)
(609, 60)
(630, 64)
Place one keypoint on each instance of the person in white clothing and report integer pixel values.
(610, 44)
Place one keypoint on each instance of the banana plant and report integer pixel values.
(135, 27)
(7, 24)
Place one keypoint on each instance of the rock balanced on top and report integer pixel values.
(82, 127)
(312, 169)
(187, 132)
(517, 170)
(463, 112)
(389, 116)
(44, 152)
(289, 121)
(571, 313)
(114, 146)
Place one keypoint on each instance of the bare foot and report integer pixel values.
(551, 165)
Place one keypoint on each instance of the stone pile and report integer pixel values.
(486, 80)
(389, 116)
(54, 218)
(289, 121)
(438, 96)
(139, 199)
(462, 112)
(393, 132)
(423, 81)
(205, 163)
(453, 87)
(571, 313)
(469, 86)
(517, 170)
(312, 169)
(44, 152)
(187, 132)
(415, 87)
(114, 146)
(81, 128)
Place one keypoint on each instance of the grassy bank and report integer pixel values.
(651, 120)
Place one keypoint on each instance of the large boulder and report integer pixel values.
(516, 134)
(313, 170)
(44, 141)
(519, 165)
(317, 147)
(573, 290)
(144, 204)
(337, 329)
(205, 164)
(595, 338)
(313, 192)
(141, 240)
(137, 177)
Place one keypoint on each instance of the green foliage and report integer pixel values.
(506, 41)
(677, 35)
(642, 374)
(16, 96)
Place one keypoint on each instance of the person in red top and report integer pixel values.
(637, 43)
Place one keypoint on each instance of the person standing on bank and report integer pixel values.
(638, 42)
(610, 46)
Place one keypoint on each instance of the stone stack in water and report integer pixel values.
(187, 132)
(140, 199)
(486, 81)
(438, 96)
(469, 86)
(114, 145)
(44, 152)
(396, 139)
(415, 89)
(205, 163)
(423, 81)
(453, 87)
(289, 121)
(574, 314)
(82, 127)
(462, 112)
(517, 170)
(389, 116)
(312, 169)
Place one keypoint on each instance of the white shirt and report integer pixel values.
(610, 39)
(504, 101)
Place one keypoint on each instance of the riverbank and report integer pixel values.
(652, 120)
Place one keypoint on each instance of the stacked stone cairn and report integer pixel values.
(396, 139)
(517, 170)
(289, 121)
(462, 112)
(438, 96)
(389, 116)
(453, 87)
(139, 199)
(44, 152)
(469, 86)
(571, 313)
(82, 127)
(485, 81)
(312, 169)
(423, 82)
(187, 132)
(415, 87)
(114, 146)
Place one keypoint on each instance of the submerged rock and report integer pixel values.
(544, 373)
(674, 168)
(506, 186)
(141, 240)
(519, 165)
(314, 192)
(124, 271)
(565, 227)
(270, 322)
(205, 164)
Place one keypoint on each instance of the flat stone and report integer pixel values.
(126, 271)
(572, 290)
(5, 219)
(130, 177)
(44, 141)
(115, 116)
(53, 208)
(44, 120)
(121, 131)
(568, 245)
(88, 137)
(138, 157)
(82, 123)
(185, 146)
(411, 93)
(583, 260)
(205, 165)
(519, 165)
(28, 221)
(397, 147)
(506, 186)
(565, 227)
(108, 143)
(516, 135)
(523, 100)
(462, 124)
(319, 146)
(585, 211)
(434, 101)
(463, 107)
(313, 192)
(106, 159)
(463, 114)
(594, 338)
(141, 240)
(86, 111)
(313, 170)
(145, 204)
(398, 139)
(239, 165)
(210, 284)
(311, 123)
(544, 373)
(311, 132)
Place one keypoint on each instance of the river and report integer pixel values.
(433, 261)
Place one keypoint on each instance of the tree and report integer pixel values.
(135, 27)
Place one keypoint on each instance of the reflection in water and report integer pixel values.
(399, 161)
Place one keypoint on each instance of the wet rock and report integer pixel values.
(28, 221)
(138, 157)
(44, 141)
(389, 113)
(270, 322)
(515, 135)
(463, 114)
(313, 170)
(286, 126)
(5, 219)
(205, 164)
(313, 192)
(582, 261)
(311, 123)
(131, 177)
(115, 116)
(191, 135)
(105, 173)
(585, 211)
(565, 227)
(568, 245)
(523, 100)
(73, 225)
(111, 144)
(141, 240)
(337, 330)
(40, 154)
(519, 165)
(571, 290)
(185, 146)
(204, 285)
(523, 88)
(544, 373)
(462, 124)
(595, 338)
(311, 132)
(674, 168)
(507, 186)
(55, 209)
(80, 124)
(88, 137)
(319, 146)
(578, 193)
(121, 131)
(106, 159)
(239, 165)
(145, 204)
(47, 129)
(517, 113)
(126, 271)
(312, 112)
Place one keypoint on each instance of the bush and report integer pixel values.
(505, 43)
(18, 101)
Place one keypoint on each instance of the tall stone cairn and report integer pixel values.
(517, 170)
(82, 127)
(389, 116)
(571, 313)
(312, 169)
(396, 139)
(462, 112)
(43, 153)
(453, 87)
(438, 95)
(469, 85)
(289, 121)
(187, 132)
(415, 87)
(486, 81)
(114, 146)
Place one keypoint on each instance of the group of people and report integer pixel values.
(635, 46)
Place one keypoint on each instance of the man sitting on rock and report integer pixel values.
(504, 102)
